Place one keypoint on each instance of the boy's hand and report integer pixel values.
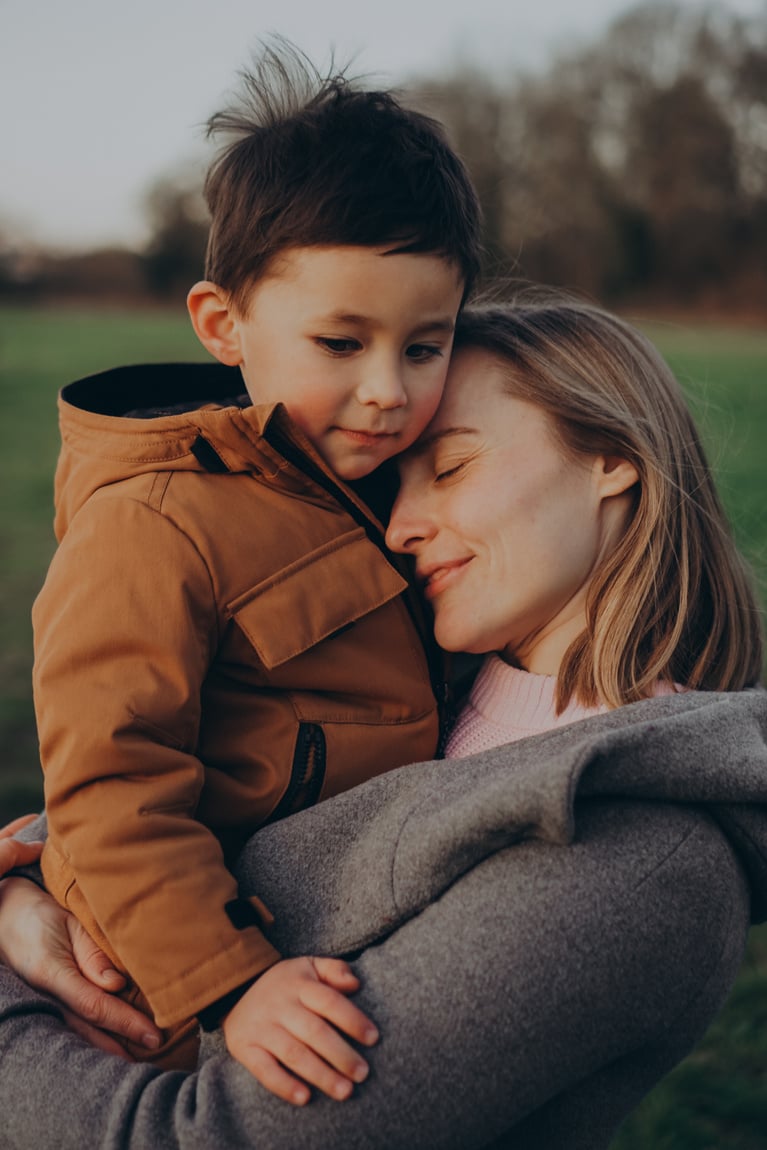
(290, 1019)
(14, 853)
(48, 947)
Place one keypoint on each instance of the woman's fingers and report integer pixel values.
(11, 828)
(14, 853)
(48, 947)
(91, 960)
(97, 1008)
(96, 1037)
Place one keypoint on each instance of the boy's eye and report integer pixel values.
(421, 352)
(339, 346)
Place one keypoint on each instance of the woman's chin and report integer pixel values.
(455, 639)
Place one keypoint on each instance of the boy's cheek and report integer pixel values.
(422, 414)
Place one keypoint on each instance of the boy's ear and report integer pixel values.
(215, 322)
(615, 475)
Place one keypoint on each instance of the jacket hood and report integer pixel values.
(165, 417)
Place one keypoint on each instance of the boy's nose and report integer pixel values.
(384, 387)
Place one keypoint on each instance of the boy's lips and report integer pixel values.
(366, 438)
(435, 577)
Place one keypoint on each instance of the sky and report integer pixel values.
(99, 98)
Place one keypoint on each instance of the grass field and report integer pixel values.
(717, 1098)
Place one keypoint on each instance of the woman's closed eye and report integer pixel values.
(443, 472)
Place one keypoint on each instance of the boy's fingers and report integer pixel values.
(274, 1078)
(323, 1000)
(336, 973)
(333, 1053)
(310, 1058)
(16, 825)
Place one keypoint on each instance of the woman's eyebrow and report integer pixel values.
(427, 441)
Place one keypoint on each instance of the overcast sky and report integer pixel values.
(99, 97)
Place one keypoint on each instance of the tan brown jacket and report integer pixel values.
(221, 639)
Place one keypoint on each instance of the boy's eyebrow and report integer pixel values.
(443, 323)
(426, 442)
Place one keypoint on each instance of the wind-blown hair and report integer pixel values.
(674, 600)
(313, 160)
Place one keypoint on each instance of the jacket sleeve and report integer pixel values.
(125, 630)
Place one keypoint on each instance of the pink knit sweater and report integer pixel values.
(507, 704)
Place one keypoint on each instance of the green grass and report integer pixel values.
(724, 373)
(717, 1098)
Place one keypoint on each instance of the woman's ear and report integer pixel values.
(615, 475)
(215, 322)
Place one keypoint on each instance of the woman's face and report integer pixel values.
(505, 527)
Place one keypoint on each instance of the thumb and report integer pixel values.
(91, 960)
(336, 973)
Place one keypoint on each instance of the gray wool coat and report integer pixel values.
(542, 931)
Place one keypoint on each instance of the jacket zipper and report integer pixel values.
(307, 773)
(440, 688)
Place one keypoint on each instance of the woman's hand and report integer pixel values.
(48, 947)
(14, 853)
(292, 1019)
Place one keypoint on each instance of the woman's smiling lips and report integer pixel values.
(440, 575)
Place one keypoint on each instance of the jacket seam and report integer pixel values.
(213, 961)
(177, 527)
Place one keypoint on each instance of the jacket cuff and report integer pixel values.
(228, 971)
(211, 1017)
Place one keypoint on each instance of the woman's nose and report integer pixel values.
(406, 530)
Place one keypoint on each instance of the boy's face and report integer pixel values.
(355, 343)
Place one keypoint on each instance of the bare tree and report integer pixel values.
(174, 256)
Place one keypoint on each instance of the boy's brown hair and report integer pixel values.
(315, 160)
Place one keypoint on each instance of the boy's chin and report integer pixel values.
(350, 470)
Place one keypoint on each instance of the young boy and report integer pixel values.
(222, 638)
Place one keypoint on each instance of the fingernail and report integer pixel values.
(371, 1035)
(342, 1090)
(300, 1097)
(112, 976)
(361, 1071)
(151, 1041)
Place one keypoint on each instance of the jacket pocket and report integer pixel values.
(316, 596)
(307, 773)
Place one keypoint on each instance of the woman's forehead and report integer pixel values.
(474, 376)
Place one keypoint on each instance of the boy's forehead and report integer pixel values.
(342, 278)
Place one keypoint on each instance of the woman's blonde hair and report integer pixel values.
(674, 601)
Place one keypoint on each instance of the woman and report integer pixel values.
(543, 929)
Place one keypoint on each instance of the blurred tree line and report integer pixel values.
(632, 169)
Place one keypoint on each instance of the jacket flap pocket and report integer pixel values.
(315, 596)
